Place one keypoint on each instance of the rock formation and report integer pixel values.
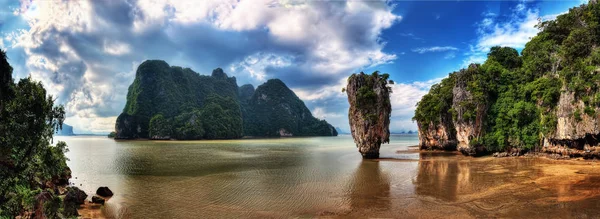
(462, 101)
(575, 136)
(369, 113)
(170, 102)
(66, 130)
(544, 99)
(273, 109)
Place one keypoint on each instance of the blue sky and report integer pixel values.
(86, 52)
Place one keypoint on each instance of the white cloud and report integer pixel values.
(434, 49)
(83, 51)
(404, 99)
(256, 64)
(450, 55)
(116, 48)
(515, 32)
(320, 112)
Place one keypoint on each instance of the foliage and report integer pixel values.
(366, 98)
(28, 119)
(169, 101)
(159, 127)
(520, 93)
(273, 106)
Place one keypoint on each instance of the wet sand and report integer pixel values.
(449, 185)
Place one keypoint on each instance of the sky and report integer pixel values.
(86, 52)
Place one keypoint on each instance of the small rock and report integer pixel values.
(98, 200)
(104, 192)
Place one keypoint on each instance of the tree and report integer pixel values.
(159, 128)
(28, 119)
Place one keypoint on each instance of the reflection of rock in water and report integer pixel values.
(370, 188)
(442, 179)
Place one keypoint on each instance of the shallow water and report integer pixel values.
(324, 176)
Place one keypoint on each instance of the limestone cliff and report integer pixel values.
(434, 117)
(577, 133)
(369, 112)
(545, 98)
(170, 102)
(440, 136)
(469, 113)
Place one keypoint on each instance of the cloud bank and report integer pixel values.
(86, 52)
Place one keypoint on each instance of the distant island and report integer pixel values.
(546, 99)
(171, 102)
(66, 130)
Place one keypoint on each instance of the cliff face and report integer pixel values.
(171, 91)
(469, 113)
(167, 102)
(435, 119)
(437, 136)
(369, 112)
(546, 98)
(577, 133)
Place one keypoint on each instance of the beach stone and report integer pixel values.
(98, 200)
(104, 192)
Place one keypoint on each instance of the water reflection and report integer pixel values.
(441, 178)
(370, 187)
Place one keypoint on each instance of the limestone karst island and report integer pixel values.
(299, 109)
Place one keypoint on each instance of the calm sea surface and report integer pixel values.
(320, 176)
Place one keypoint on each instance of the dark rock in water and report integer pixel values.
(73, 199)
(98, 200)
(75, 195)
(370, 110)
(104, 192)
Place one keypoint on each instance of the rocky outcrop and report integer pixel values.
(369, 113)
(439, 136)
(73, 199)
(469, 114)
(98, 200)
(577, 132)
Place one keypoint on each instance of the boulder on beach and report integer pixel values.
(104, 192)
(73, 199)
(98, 200)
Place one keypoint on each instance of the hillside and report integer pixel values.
(170, 102)
(275, 110)
(545, 99)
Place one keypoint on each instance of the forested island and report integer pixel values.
(545, 99)
(171, 102)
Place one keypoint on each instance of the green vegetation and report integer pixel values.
(28, 161)
(171, 102)
(366, 96)
(273, 107)
(515, 97)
